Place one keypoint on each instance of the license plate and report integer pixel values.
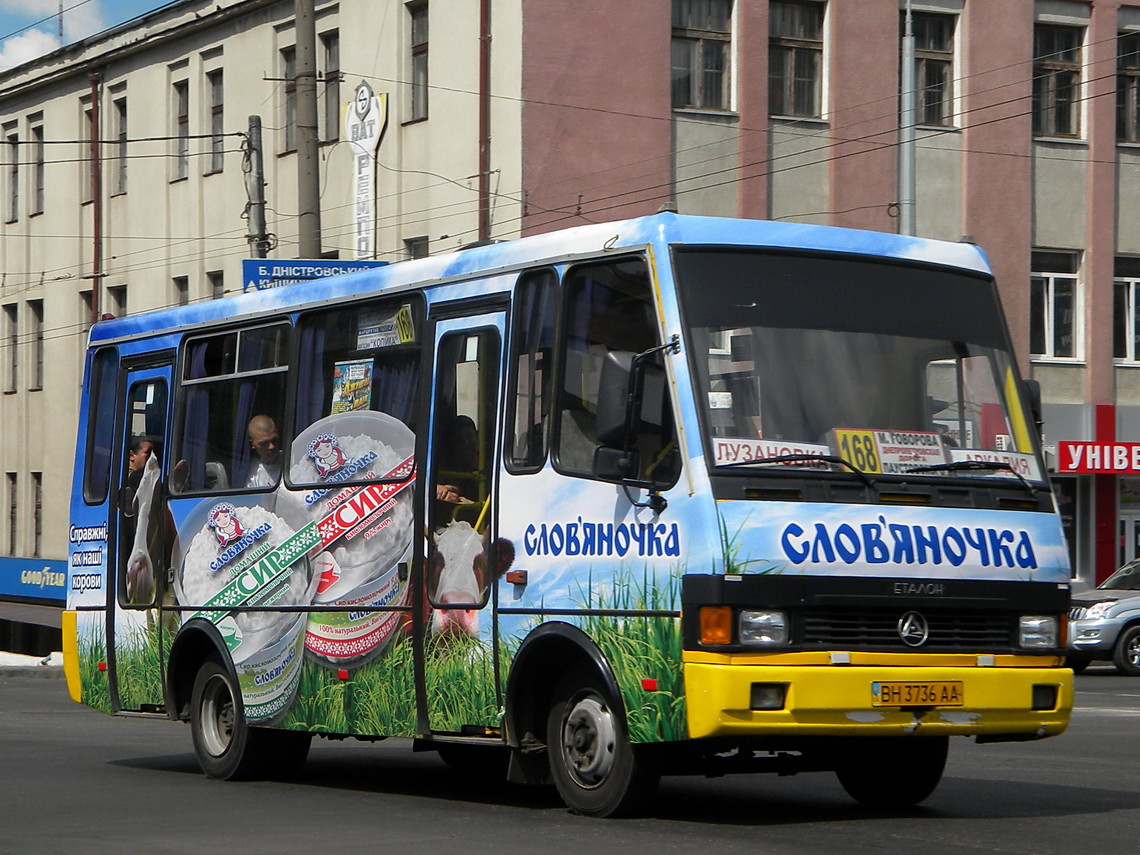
(945, 693)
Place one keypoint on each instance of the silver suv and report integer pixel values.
(1104, 622)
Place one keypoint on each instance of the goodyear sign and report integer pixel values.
(33, 579)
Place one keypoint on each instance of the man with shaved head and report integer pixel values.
(265, 441)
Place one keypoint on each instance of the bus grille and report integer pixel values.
(959, 630)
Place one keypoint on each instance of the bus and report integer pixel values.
(669, 495)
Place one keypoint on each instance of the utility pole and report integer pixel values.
(906, 131)
(255, 190)
(484, 120)
(308, 171)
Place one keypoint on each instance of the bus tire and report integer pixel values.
(592, 762)
(1126, 655)
(892, 773)
(224, 743)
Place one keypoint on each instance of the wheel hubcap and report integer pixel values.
(588, 738)
(217, 716)
(1133, 652)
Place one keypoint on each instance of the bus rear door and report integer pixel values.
(460, 666)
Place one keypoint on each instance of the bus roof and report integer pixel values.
(661, 230)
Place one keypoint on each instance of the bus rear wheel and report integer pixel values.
(892, 773)
(593, 765)
(224, 743)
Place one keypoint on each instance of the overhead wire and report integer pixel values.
(521, 197)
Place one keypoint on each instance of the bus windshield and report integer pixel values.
(896, 369)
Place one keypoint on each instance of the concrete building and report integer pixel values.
(510, 117)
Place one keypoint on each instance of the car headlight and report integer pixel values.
(1099, 610)
(767, 627)
(1037, 632)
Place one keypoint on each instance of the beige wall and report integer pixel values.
(163, 228)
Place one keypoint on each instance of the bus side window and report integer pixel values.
(609, 307)
(101, 425)
(532, 371)
(227, 381)
(361, 357)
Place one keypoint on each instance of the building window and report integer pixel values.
(1126, 310)
(418, 13)
(117, 300)
(36, 334)
(11, 346)
(330, 90)
(86, 135)
(1053, 305)
(214, 85)
(933, 67)
(13, 151)
(13, 519)
(181, 129)
(181, 290)
(1056, 80)
(1128, 87)
(289, 107)
(39, 166)
(38, 512)
(795, 59)
(85, 310)
(120, 161)
(416, 247)
(702, 41)
(217, 282)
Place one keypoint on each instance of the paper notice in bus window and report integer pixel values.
(740, 450)
(352, 386)
(1024, 465)
(385, 329)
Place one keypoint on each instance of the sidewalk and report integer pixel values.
(15, 665)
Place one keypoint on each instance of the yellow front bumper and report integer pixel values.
(824, 699)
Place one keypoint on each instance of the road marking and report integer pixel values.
(1107, 711)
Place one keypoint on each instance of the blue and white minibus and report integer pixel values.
(668, 495)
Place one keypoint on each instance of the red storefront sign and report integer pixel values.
(1112, 458)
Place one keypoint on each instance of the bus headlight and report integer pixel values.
(767, 627)
(1037, 632)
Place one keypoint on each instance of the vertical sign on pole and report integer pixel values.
(365, 118)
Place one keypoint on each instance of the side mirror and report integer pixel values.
(614, 398)
(615, 464)
(1033, 391)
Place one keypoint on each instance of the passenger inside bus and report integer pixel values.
(265, 441)
(457, 449)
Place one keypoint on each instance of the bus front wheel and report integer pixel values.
(892, 773)
(593, 765)
(223, 742)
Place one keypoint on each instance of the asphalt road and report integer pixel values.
(75, 781)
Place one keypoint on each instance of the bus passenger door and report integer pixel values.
(140, 548)
(463, 561)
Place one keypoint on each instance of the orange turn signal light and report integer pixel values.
(716, 625)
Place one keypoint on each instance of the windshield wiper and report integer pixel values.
(978, 466)
(803, 457)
